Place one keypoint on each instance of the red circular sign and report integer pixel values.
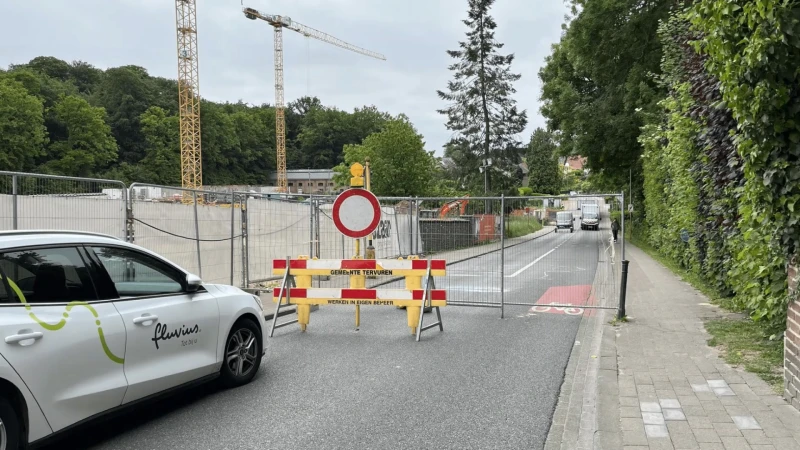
(356, 213)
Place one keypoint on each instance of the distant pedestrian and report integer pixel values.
(615, 229)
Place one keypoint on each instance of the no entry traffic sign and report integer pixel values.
(356, 213)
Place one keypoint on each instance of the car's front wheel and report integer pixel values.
(9, 426)
(242, 354)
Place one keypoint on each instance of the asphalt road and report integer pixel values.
(484, 383)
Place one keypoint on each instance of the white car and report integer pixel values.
(91, 324)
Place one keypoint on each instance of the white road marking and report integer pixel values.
(530, 265)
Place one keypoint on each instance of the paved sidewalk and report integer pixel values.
(662, 387)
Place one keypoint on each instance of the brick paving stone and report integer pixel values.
(785, 443)
(650, 407)
(712, 405)
(630, 411)
(700, 422)
(727, 430)
(656, 431)
(628, 401)
(746, 423)
(661, 444)
(711, 446)
(756, 437)
(762, 447)
(688, 400)
(705, 435)
(673, 414)
(634, 437)
(735, 443)
(650, 418)
(694, 411)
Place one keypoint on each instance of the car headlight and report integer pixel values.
(258, 302)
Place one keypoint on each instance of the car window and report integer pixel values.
(136, 274)
(6, 294)
(48, 275)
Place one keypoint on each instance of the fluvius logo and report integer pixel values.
(161, 332)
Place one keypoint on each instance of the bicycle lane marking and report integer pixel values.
(575, 296)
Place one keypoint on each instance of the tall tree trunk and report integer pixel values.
(488, 183)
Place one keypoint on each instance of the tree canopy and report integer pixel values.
(544, 172)
(398, 161)
(75, 119)
(481, 110)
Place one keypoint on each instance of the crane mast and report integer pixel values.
(188, 96)
(279, 23)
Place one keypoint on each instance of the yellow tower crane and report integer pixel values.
(279, 23)
(188, 96)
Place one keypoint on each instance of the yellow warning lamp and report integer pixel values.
(357, 171)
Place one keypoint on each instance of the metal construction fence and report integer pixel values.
(550, 254)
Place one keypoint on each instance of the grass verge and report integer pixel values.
(742, 342)
(521, 226)
(745, 343)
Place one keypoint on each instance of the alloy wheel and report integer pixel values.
(3, 436)
(241, 353)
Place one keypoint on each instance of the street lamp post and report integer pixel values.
(487, 163)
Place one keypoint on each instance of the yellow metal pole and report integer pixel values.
(357, 281)
(413, 312)
(303, 311)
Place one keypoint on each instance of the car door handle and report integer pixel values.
(17, 338)
(144, 319)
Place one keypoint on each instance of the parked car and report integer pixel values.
(564, 219)
(91, 325)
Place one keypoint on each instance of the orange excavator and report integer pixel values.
(445, 210)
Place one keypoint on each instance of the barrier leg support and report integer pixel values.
(427, 303)
(286, 285)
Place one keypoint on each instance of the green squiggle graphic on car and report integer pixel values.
(61, 323)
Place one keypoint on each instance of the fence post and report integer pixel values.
(622, 227)
(311, 202)
(417, 238)
(502, 254)
(14, 201)
(233, 233)
(410, 226)
(623, 290)
(197, 235)
(245, 244)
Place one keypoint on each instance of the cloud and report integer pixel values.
(236, 54)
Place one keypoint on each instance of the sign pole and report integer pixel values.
(369, 251)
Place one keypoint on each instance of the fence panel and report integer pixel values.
(278, 225)
(204, 238)
(559, 256)
(466, 233)
(48, 202)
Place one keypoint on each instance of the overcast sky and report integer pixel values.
(236, 54)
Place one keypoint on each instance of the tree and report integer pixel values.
(399, 164)
(599, 77)
(88, 146)
(481, 111)
(162, 154)
(544, 172)
(22, 131)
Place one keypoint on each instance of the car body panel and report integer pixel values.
(92, 359)
(177, 347)
(74, 370)
(233, 305)
(37, 423)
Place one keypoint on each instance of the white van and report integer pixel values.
(564, 219)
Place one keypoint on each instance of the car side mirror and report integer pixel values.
(193, 283)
